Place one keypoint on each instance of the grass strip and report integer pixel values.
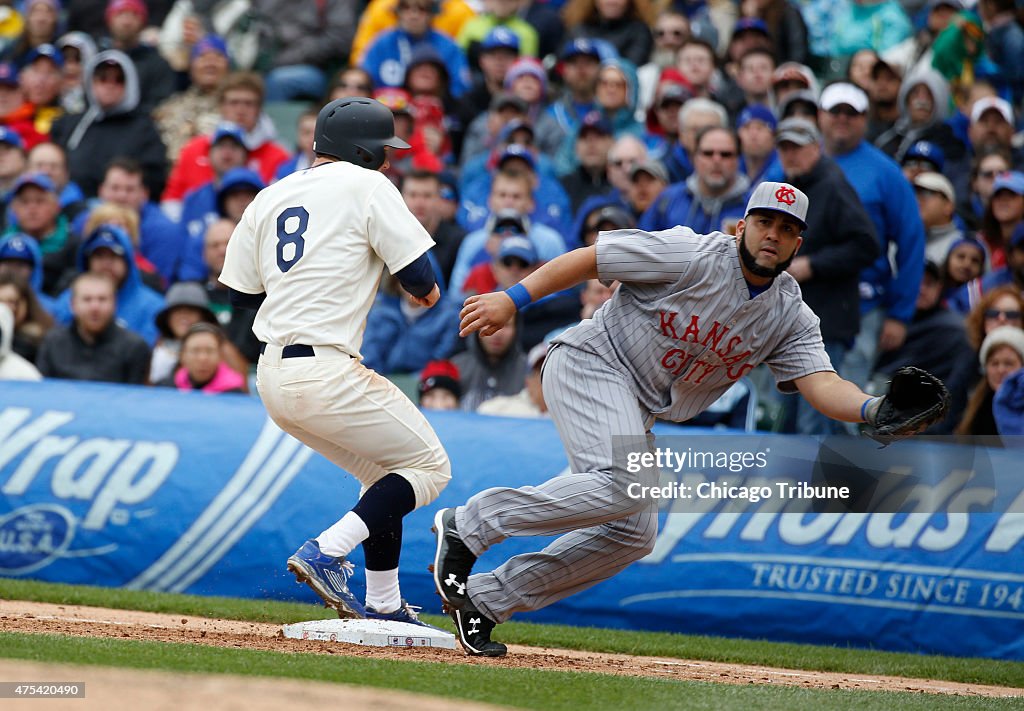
(522, 688)
(658, 644)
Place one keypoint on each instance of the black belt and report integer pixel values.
(296, 350)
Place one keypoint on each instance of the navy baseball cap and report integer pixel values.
(37, 180)
(756, 112)
(45, 51)
(226, 129)
(926, 150)
(750, 24)
(1011, 180)
(209, 43)
(105, 237)
(8, 74)
(514, 150)
(11, 137)
(594, 121)
(500, 38)
(580, 46)
(16, 248)
(518, 247)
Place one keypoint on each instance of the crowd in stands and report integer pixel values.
(134, 134)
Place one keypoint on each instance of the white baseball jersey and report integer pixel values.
(316, 242)
(684, 326)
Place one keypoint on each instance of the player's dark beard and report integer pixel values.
(750, 262)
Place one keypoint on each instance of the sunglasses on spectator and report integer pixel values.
(109, 77)
(996, 313)
(670, 33)
(511, 262)
(844, 110)
(623, 163)
(707, 153)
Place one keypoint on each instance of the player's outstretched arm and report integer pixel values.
(832, 396)
(489, 312)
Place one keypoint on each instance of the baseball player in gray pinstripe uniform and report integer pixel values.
(693, 314)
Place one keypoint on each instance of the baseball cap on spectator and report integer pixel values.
(674, 93)
(11, 138)
(226, 129)
(45, 51)
(237, 179)
(1011, 180)
(137, 6)
(595, 121)
(508, 131)
(756, 112)
(209, 43)
(797, 130)
(844, 93)
(936, 183)
(16, 249)
(779, 197)
(500, 38)
(653, 168)
(537, 355)
(518, 247)
(793, 71)
(510, 222)
(616, 217)
(440, 374)
(8, 74)
(105, 237)
(398, 100)
(449, 185)
(804, 97)
(581, 46)
(184, 293)
(926, 151)
(505, 100)
(514, 150)
(38, 180)
(992, 103)
(751, 24)
(1012, 336)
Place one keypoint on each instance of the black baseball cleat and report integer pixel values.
(474, 632)
(453, 560)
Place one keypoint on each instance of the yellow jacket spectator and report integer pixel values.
(380, 15)
(497, 12)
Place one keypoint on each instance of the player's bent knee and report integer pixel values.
(429, 481)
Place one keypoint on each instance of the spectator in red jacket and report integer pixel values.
(241, 102)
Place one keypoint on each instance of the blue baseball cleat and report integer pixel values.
(406, 613)
(328, 577)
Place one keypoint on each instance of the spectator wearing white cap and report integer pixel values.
(1002, 353)
(936, 202)
(992, 127)
(888, 295)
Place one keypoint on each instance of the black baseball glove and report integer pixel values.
(916, 399)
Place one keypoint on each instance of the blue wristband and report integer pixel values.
(519, 295)
(863, 409)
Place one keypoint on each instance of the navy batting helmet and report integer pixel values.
(356, 130)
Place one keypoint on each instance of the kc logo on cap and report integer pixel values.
(779, 197)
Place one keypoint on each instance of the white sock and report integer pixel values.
(342, 538)
(382, 592)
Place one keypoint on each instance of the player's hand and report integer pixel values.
(486, 313)
(428, 300)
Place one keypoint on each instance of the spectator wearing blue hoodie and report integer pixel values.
(20, 255)
(236, 190)
(33, 202)
(108, 251)
(888, 299)
(714, 198)
(402, 337)
(387, 58)
(580, 62)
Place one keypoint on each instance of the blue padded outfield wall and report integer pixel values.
(159, 490)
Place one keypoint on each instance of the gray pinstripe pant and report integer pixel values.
(602, 529)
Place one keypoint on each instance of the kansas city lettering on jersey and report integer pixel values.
(730, 352)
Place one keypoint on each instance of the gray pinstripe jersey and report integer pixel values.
(683, 325)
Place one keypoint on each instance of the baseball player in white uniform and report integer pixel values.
(692, 315)
(309, 252)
